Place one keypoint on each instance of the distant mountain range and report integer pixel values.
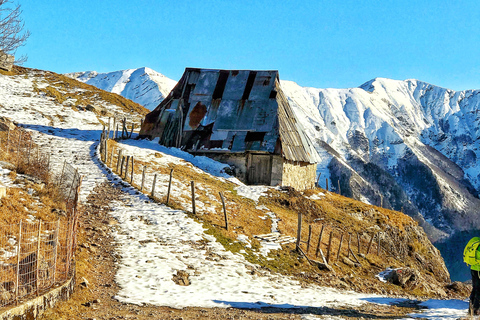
(143, 85)
(405, 145)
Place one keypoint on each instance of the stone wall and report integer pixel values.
(300, 175)
(6, 61)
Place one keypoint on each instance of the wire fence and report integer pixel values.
(37, 255)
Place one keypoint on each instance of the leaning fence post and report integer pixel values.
(131, 131)
(299, 230)
(340, 246)
(153, 186)
(38, 256)
(309, 236)
(193, 197)
(169, 185)
(19, 248)
(329, 246)
(319, 241)
(143, 177)
(224, 210)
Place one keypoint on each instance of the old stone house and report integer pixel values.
(238, 117)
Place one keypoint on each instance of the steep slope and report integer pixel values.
(143, 85)
(407, 145)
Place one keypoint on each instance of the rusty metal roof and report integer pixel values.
(230, 111)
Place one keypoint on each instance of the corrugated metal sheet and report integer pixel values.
(230, 110)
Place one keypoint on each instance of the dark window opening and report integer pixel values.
(220, 87)
(273, 94)
(249, 85)
(215, 144)
(254, 136)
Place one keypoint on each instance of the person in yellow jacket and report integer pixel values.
(471, 256)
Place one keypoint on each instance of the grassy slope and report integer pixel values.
(403, 241)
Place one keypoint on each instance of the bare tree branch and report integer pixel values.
(12, 33)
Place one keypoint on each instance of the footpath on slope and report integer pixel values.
(96, 286)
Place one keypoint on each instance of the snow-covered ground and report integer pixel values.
(155, 242)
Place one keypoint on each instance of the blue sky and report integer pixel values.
(334, 44)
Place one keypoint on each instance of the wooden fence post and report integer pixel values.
(379, 244)
(131, 131)
(319, 241)
(349, 239)
(108, 132)
(309, 237)
(169, 185)
(63, 169)
(38, 256)
(358, 242)
(340, 246)
(57, 231)
(126, 167)
(329, 246)
(18, 148)
(318, 180)
(8, 140)
(121, 166)
(339, 190)
(370, 244)
(116, 132)
(193, 197)
(299, 230)
(153, 186)
(115, 125)
(224, 210)
(131, 179)
(119, 159)
(111, 158)
(143, 178)
(326, 183)
(19, 253)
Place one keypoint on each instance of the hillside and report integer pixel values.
(130, 248)
(405, 145)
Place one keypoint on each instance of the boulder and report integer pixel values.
(6, 61)
(403, 276)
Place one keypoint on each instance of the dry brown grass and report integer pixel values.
(34, 195)
(338, 214)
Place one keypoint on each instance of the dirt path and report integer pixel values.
(96, 288)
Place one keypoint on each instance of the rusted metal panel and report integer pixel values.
(236, 110)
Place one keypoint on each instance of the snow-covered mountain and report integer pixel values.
(143, 85)
(406, 145)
